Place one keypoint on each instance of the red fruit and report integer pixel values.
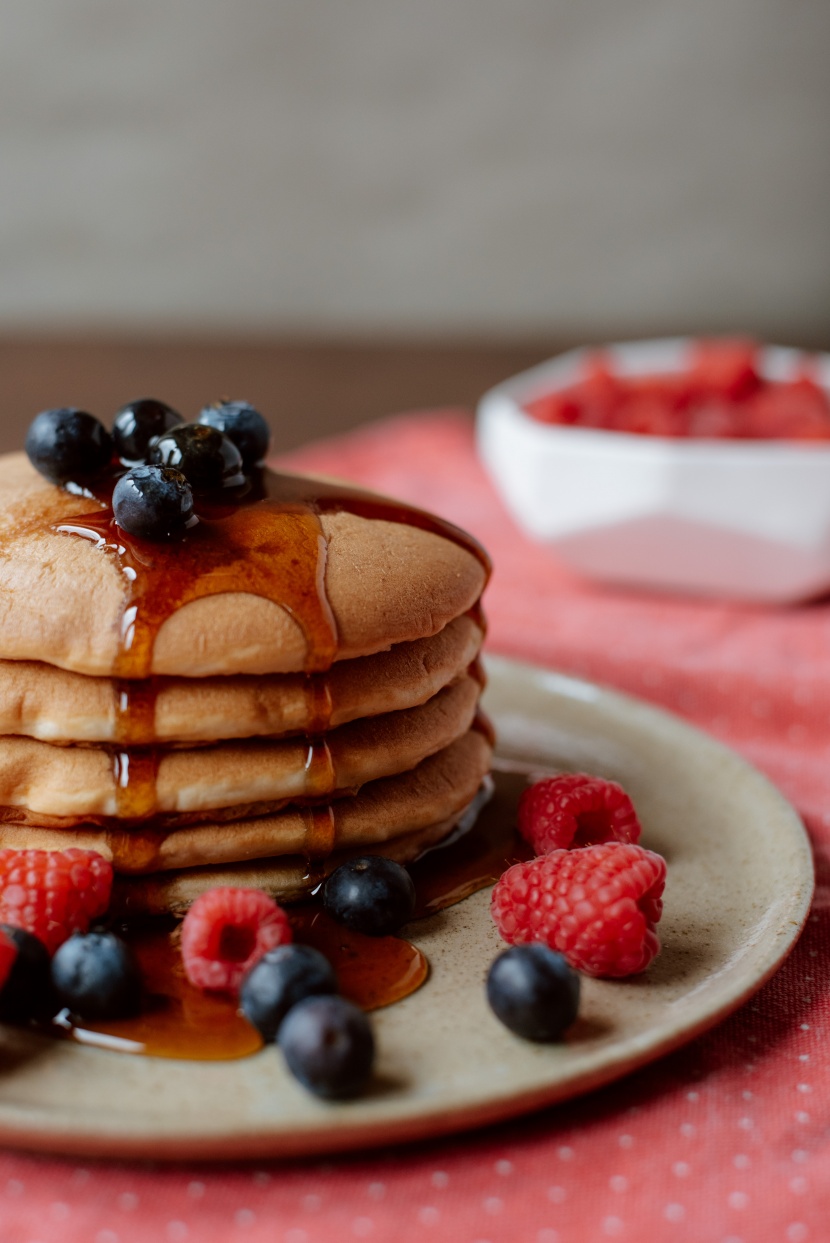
(649, 416)
(597, 905)
(561, 407)
(795, 411)
(576, 809)
(726, 368)
(8, 953)
(226, 931)
(53, 893)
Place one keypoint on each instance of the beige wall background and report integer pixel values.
(521, 167)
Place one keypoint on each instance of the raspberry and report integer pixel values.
(226, 931)
(53, 893)
(597, 905)
(576, 810)
(8, 956)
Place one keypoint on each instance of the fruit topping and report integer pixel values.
(282, 977)
(53, 893)
(153, 502)
(721, 393)
(224, 933)
(209, 460)
(328, 1045)
(137, 423)
(534, 992)
(596, 905)
(27, 991)
(242, 424)
(68, 446)
(96, 976)
(370, 894)
(167, 460)
(576, 809)
(9, 954)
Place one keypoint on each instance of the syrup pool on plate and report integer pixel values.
(178, 1020)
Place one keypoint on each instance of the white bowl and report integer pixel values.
(743, 519)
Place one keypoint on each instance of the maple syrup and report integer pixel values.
(178, 1020)
(267, 541)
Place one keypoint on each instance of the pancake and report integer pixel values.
(287, 879)
(436, 792)
(291, 682)
(360, 584)
(54, 705)
(75, 783)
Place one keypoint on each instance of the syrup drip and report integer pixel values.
(320, 826)
(181, 1021)
(245, 550)
(134, 849)
(319, 704)
(321, 779)
(135, 712)
(320, 835)
(265, 542)
(136, 774)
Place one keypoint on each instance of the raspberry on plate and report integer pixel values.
(226, 931)
(53, 893)
(576, 809)
(597, 905)
(9, 954)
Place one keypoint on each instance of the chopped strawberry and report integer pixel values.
(725, 368)
(719, 396)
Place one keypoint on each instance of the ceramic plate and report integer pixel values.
(739, 887)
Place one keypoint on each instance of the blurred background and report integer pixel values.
(341, 210)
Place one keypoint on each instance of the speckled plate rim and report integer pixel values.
(445, 1063)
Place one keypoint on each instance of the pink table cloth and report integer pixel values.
(726, 1140)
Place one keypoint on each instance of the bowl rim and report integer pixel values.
(650, 356)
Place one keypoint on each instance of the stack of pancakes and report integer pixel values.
(227, 761)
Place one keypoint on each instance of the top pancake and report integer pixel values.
(62, 599)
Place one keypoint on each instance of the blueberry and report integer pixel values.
(27, 992)
(328, 1045)
(68, 446)
(534, 992)
(371, 895)
(96, 976)
(242, 424)
(153, 502)
(137, 423)
(207, 458)
(278, 980)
